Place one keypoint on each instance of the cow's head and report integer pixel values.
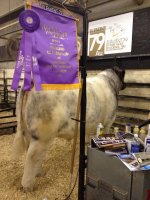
(121, 74)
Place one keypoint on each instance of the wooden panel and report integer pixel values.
(136, 91)
(124, 120)
(137, 76)
(134, 103)
(131, 76)
(132, 114)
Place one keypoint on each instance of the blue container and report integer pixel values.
(135, 147)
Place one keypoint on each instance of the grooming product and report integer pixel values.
(100, 130)
(128, 128)
(136, 129)
(116, 131)
(135, 145)
(147, 140)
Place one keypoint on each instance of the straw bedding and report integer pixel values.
(53, 186)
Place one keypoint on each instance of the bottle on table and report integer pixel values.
(142, 134)
(148, 146)
(116, 131)
(100, 130)
(129, 139)
(147, 140)
(128, 128)
(136, 130)
(135, 145)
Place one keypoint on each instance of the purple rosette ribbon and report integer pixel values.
(29, 20)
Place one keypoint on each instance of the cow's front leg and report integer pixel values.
(34, 158)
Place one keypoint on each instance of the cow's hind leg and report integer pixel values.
(34, 158)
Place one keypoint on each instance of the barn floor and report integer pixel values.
(53, 186)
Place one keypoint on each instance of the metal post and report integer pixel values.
(83, 110)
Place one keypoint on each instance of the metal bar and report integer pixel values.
(118, 56)
(8, 109)
(15, 31)
(140, 85)
(14, 14)
(10, 116)
(14, 122)
(8, 25)
(6, 127)
(141, 61)
(83, 111)
(131, 185)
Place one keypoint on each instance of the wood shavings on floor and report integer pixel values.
(53, 186)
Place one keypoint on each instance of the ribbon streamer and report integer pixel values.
(27, 61)
(19, 65)
(35, 68)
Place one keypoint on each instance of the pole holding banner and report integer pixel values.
(82, 157)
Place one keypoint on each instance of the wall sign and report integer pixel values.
(111, 35)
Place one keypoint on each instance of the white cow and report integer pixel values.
(44, 115)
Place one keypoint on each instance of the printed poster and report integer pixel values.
(110, 35)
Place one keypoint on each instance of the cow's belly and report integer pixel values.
(48, 114)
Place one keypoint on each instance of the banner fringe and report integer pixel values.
(61, 86)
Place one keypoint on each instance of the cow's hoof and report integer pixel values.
(27, 189)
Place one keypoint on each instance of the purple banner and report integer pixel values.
(56, 50)
(49, 51)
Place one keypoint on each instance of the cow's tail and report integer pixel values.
(19, 141)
